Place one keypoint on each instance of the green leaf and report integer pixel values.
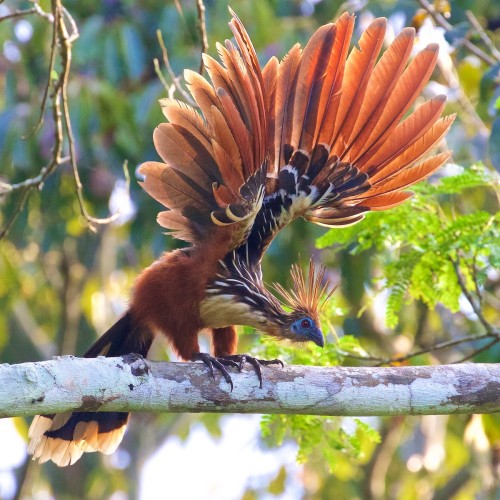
(456, 35)
(494, 144)
(133, 51)
(364, 430)
(349, 343)
(473, 177)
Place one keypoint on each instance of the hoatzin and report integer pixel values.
(323, 134)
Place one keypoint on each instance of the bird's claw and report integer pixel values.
(236, 361)
(241, 359)
(219, 363)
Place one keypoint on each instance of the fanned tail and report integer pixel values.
(64, 437)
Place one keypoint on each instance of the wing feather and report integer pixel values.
(270, 77)
(342, 145)
(409, 176)
(310, 80)
(182, 151)
(285, 94)
(405, 135)
(236, 124)
(214, 162)
(381, 84)
(203, 93)
(414, 151)
(179, 113)
(406, 90)
(328, 106)
(357, 73)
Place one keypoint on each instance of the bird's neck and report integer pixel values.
(237, 296)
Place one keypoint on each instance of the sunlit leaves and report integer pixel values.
(324, 435)
(427, 245)
(494, 144)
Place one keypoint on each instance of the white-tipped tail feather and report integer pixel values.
(63, 452)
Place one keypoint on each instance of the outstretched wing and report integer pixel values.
(323, 135)
(214, 164)
(340, 142)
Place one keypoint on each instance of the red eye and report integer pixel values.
(305, 323)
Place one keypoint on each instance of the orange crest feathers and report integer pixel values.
(307, 292)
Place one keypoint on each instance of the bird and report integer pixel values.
(327, 133)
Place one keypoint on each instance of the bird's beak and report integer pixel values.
(317, 337)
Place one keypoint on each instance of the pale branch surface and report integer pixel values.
(130, 383)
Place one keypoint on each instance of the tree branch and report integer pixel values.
(56, 89)
(441, 21)
(130, 383)
(200, 6)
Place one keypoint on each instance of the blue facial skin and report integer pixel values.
(305, 329)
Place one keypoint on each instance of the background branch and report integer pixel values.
(130, 383)
(480, 31)
(175, 79)
(203, 32)
(56, 89)
(441, 21)
(494, 336)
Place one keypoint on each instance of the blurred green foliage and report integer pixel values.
(62, 285)
(431, 239)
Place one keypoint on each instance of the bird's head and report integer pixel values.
(305, 301)
(302, 327)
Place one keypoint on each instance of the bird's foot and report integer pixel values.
(218, 362)
(240, 359)
(235, 360)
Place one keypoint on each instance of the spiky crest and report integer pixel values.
(308, 294)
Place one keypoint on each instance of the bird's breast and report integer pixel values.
(220, 310)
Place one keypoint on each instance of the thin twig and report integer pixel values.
(36, 9)
(61, 44)
(477, 310)
(178, 6)
(360, 357)
(169, 88)
(18, 13)
(480, 31)
(477, 122)
(473, 271)
(53, 49)
(43, 104)
(436, 347)
(203, 32)
(441, 21)
(45, 15)
(126, 174)
(173, 77)
(10, 221)
(473, 354)
(66, 41)
(55, 160)
(471, 118)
